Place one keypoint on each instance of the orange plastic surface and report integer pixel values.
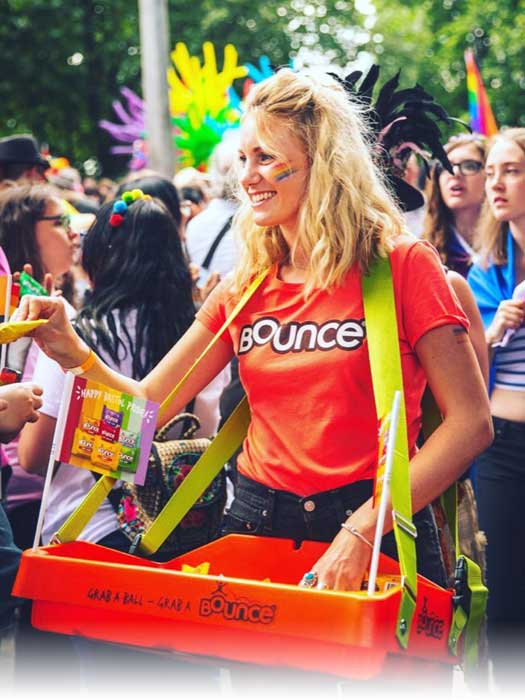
(88, 590)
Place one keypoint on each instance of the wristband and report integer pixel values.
(354, 531)
(85, 366)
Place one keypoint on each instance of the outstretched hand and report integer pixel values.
(19, 404)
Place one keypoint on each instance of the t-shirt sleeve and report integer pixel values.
(213, 312)
(50, 376)
(426, 299)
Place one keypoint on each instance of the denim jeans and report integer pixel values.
(258, 510)
(9, 563)
(501, 499)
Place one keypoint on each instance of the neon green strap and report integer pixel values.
(470, 600)
(387, 378)
(204, 471)
(221, 449)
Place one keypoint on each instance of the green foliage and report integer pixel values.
(63, 62)
(430, 37)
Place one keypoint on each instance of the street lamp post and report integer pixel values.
(154, 39)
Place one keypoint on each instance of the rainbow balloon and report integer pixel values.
(481, 117)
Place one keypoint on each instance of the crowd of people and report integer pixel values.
(312, 207)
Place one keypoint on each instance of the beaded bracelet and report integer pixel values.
(356, 533)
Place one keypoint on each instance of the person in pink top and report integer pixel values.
(34, 229)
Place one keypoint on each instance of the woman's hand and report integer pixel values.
(510, 314)
(342, 567)
(19, 405)
(57, 338)
(48, 282)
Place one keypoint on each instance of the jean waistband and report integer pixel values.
(353, 495)
(503, 426)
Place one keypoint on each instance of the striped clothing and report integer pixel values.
(509, 363)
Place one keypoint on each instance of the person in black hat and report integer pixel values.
(20, 159)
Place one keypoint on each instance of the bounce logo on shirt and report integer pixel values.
(302, 337)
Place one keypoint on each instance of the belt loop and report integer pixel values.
(268, 509)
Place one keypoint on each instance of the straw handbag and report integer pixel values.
(170, 461)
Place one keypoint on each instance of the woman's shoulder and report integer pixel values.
(407, 249)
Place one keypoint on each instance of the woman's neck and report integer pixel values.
(465, 221)
(517, 229)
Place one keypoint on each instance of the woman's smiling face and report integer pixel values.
(275, 185)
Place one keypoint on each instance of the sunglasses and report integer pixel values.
(63, 220)
(465, 167)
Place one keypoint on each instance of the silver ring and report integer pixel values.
(309, 580)
(322, 586)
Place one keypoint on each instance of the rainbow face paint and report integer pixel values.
(281, 171)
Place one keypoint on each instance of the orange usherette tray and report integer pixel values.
(231, 613)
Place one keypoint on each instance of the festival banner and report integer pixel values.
(105, 430)
(482, 119)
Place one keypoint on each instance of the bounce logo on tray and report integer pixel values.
(238, 609)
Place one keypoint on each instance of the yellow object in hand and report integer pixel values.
(13, 330)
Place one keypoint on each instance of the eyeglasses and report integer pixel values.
(60, 220)
(465, 167)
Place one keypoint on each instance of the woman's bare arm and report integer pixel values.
(476, 332)
(455, 379)
(60, 342)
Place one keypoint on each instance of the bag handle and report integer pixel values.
(161, 435)
(225, 443)
(387, 378)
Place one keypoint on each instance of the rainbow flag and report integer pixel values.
(481, 117)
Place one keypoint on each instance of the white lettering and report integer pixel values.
(283, 340)
(245, 341)
(321, 341)
(264, 330)
(350, 335)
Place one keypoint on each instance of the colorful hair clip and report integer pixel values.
(120, 207)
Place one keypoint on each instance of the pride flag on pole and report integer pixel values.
(481, 117)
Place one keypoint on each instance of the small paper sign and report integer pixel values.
(105, 430)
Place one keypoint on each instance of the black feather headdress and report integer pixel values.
(404, 121)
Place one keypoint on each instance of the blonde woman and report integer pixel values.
(316, 212)
(454, 202)
(496, 283)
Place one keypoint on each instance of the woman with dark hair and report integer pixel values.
(34, 230)
(454, 202)
(140, 305)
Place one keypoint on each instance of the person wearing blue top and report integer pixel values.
(498, 283)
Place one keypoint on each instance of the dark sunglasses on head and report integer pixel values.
(465, 167)
(61, 220)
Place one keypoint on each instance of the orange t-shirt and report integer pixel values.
(304, 365)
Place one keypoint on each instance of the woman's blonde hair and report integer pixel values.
(347, 216)
(439, 218)
(491, 232)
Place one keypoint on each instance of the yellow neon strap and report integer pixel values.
(387, 378)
